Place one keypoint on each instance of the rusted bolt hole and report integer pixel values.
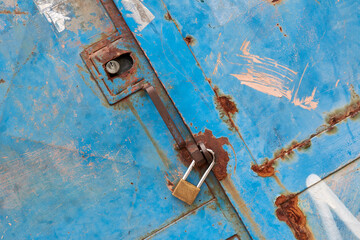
(119, 65)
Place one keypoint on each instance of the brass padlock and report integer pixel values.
(186, 191)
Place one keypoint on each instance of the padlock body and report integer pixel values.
(186, 191)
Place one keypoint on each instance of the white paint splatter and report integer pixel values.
(324, 199)
(268, 76)
(141, 15)
(55, 12)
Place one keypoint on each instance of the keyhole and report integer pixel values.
(119, 65)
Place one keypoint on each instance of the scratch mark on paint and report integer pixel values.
(218, 63)
(325, 199)
(218, 38)
(141, 15)
(307, 103)
(337, 82)
(268, 76)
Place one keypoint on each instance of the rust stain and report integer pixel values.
(169, 185)
(216, 144)
(351, 110)
(15, 12)
(190, 40)
(227, 104)
(168, 17)
(281, 29)
(266, 169)
(2, 81)
(243, 208)
(288, 211)
(226, 107)
(275, 2)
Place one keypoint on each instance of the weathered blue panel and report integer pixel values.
(246, 77)
(284, 65)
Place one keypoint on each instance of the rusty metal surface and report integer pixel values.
(271, 85)
(74, 166)
(278, 63)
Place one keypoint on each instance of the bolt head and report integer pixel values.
(112, 67)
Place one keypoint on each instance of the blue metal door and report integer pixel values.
(86, 155)
(271, 87)
(283, 77)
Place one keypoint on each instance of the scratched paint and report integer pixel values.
(267, 122)
(268, 76)
(117, 133)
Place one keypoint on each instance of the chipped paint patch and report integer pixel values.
(141, 15)
(2, 81)
(55, 12)
(268, 76)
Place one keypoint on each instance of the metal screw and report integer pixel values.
(112, 67)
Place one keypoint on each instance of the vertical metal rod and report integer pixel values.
(207, 170)
(188, 170)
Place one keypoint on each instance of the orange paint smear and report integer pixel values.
(268, 76)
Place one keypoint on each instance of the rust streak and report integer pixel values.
(15, 12)
(243, 208)
(161, 154)
(288, 211)
(227, 109)
(215, 89)
(351, 110)
(216, 144)
(281, 29)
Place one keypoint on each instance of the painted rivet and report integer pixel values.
(112, 67)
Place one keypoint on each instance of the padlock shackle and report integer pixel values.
(207, 170)
(188, 170)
